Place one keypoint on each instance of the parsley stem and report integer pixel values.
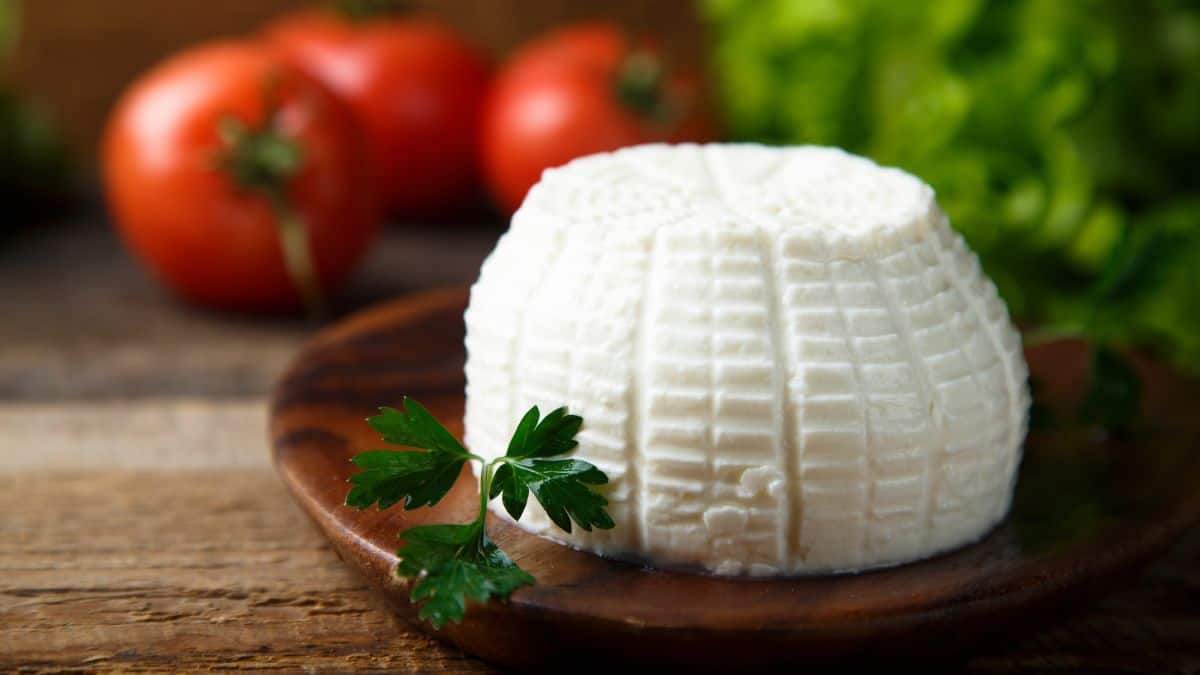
(485, 486)
(450, 563)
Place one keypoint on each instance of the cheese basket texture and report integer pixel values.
(788, 364)
(786, 360)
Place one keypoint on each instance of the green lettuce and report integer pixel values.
(1055, 133)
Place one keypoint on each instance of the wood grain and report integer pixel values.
(182, 571)
(82, 321)
(1087, 512)
(157, 433)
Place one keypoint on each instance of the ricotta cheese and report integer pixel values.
(786, 360)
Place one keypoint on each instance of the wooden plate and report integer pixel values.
(1088, 511)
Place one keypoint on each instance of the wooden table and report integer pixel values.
(143, 528)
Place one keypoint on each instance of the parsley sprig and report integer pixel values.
(454, 562)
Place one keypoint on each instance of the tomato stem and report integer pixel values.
(297, 256)
(263, 160)
(639, 85)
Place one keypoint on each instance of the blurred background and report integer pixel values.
(87, 318)
(76, 56)
(1061, 137)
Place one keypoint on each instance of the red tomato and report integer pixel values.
(416, 88)
(577, 91)
(213, 239)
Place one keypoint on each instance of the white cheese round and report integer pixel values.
(786, 360)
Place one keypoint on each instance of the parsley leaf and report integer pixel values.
(561, 486)
(514, 493)
(414, 477)
(554, 435)
(453, 563)
(456, 562)
(417, 427)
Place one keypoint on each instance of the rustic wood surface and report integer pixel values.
(182, 571)
(143, 528)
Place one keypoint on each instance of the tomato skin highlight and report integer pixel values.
(556, 99)
(210, 240)
(416, 88)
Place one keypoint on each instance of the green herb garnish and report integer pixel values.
(454, 562)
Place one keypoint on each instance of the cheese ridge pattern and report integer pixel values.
(786, 360)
